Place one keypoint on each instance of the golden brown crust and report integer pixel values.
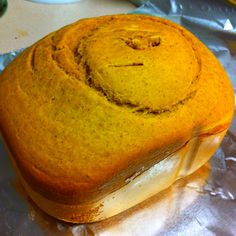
(88, 105)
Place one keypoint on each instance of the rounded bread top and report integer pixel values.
(149, 66)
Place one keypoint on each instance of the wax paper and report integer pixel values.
(201, 204)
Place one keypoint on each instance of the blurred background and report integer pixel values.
(24, 22)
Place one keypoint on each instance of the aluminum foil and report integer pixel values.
(201, 204)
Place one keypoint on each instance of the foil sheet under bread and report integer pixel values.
(201, 204)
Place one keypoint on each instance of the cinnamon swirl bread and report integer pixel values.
(104, 113)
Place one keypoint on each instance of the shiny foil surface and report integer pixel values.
(202, 204)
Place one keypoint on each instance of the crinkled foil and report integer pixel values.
(201, 204)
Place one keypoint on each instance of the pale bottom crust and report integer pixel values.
(138, 188)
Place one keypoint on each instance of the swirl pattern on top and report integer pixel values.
(137, 77)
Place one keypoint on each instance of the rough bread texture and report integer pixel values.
(93, 103)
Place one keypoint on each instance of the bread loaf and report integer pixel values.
(104, 113)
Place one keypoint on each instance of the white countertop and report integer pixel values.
(26, 22)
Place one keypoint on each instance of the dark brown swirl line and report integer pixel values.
(135, 108)
(32, 58)
(127, 65)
